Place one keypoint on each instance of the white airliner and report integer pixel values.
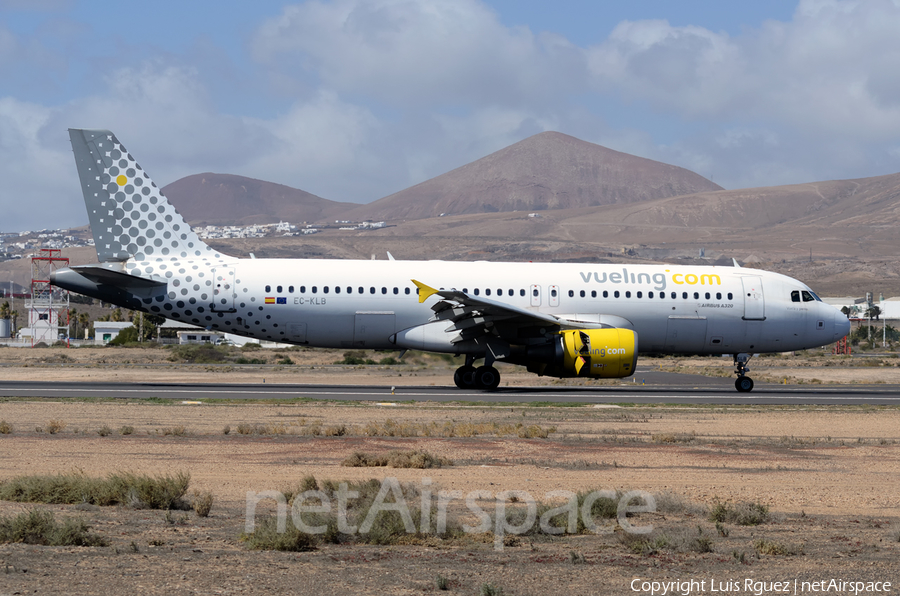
(562, 320)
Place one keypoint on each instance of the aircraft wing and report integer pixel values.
(473, 316)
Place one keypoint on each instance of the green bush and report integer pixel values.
(199, 354)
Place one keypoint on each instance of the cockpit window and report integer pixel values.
(808, 297)
(816, 296)
(795, 296)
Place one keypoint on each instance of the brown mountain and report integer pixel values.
(225, 199)
(549, 170)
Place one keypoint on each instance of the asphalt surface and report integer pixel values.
(646, 388)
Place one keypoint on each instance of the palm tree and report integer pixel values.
(85, 320)
(73, 321)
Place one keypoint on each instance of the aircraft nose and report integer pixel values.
(841, 325)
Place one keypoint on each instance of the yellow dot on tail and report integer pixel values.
(121, 180)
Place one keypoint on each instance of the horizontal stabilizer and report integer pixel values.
(80, 278)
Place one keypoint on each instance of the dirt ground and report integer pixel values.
(828, 475)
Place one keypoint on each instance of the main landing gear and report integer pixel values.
(743, 383)
(484, 377)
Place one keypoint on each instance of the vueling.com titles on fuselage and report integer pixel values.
(659, 279)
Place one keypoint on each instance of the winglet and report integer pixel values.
(425, 292)
(733, 260)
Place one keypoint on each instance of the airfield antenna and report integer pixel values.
(48, 307)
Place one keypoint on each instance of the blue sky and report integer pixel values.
(355, 99)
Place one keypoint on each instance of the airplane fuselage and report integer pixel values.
(363, 304)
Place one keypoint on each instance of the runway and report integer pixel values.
(709, 391)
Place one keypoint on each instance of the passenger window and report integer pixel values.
(512, 292)
(674, 295)
(325, 290)
(718, 295)
(707, 295)
(582, 293)
(406, 291)
(383, 290)
(396, 290)
(500, 292)
(521, 292)
(371, 290)
(553, 293)
(279, 289)
(534, 292)
(302, 289)
(593, 293)
(684, 295)
(730, 296)
(639, 294)
(269, 289)
(337, 289)
(649, 295)
(487, 291)
(605, 294)
(572, 293)
(477, 291)
(290, 289)
(628, 294)
(807, 297)
(616, 294)
(795, 296)
(696, 295)
(314, 289)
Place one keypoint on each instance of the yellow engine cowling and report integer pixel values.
(606, 353)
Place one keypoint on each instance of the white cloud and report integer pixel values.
(414, 52)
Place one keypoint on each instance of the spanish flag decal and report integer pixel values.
(270, 300)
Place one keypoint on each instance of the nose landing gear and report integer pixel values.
(743, 383)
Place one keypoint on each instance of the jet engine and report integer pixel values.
(602, 353)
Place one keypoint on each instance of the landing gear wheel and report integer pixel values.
(464, 377)
(487, 378)
(743, 384)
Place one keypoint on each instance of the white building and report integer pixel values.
(106, 331)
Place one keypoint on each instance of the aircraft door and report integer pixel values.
(224, 288)
(535, 292)
(754, 302)
(554, 296)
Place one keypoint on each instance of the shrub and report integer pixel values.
(355, 357)
(124, 488)
(5, 427)
(266, 536)
(198, 354)
(104, 431)
(202, 503)
(40, 527)
(742, 514)
(397, 459)
(55, 426)
(767, 547)
(126, 430)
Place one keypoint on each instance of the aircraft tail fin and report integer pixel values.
(130, 217)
